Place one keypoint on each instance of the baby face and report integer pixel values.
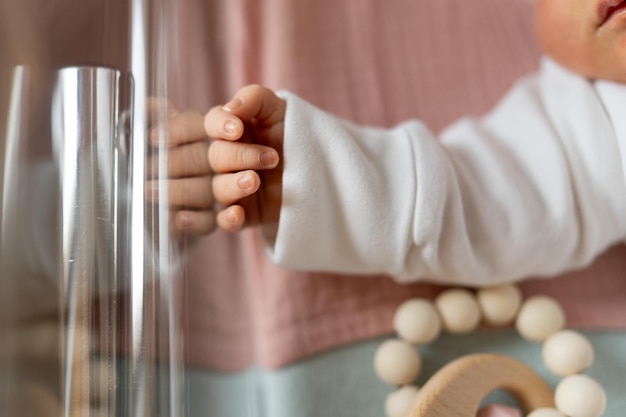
(586, 36)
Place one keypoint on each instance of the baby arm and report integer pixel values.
(534, 188)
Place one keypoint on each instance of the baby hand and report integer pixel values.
(246, 157)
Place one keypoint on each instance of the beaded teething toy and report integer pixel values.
(419, 321)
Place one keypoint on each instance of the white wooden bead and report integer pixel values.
(398, 401)
(580, 396)
(567, 353)
(539, 318)
(458, 310)
(546, 412)
(417, 321)
(396, 362)
(499, 304)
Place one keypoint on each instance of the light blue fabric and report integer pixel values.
(342, 383)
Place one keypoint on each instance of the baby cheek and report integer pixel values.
(620, 57)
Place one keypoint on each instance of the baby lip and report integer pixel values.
(606, 9)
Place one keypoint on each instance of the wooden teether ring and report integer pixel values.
(458, 388)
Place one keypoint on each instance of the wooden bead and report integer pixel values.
(546, 412)
(539, 318)
(417, 321)
(499, 304)
(398, 401)
(459, 311)
(567, 353)
(580, 396)
(396, 362)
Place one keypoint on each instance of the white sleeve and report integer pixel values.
(534, 188)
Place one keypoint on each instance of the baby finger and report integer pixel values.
(195, 223)
(231, 219)
(225, 156)
(181, 128)
(221, 124)
(230, 188)
(192, 192)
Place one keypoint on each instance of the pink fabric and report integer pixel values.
(377, 63)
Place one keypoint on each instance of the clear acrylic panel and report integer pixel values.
(90, 309)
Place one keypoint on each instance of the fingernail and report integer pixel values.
(231, 217)
(230, 127)
(245, 181)
(234, 104)
(269, 158)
